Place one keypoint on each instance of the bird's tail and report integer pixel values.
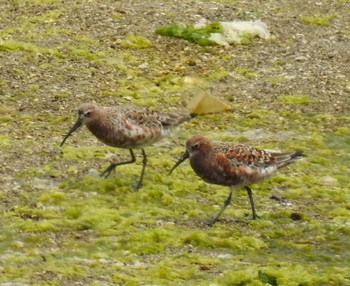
(284, 159)
(172, 120)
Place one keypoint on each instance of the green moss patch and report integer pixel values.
(196, 35)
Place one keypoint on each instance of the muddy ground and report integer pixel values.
(64, 225)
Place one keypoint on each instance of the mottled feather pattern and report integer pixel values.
(244, 155)
(233, 165)
(243, 164)
(212, 171)
(126, 127)
(130, 126)
(142, 117)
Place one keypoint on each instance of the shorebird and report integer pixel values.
(236, 166)
(127, 127)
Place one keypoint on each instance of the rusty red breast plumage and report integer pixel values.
(233, 165)
(128, 127)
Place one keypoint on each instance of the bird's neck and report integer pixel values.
(98, 128)
(199, 161)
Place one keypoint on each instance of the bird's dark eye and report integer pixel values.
(88, 113)
(195, 146)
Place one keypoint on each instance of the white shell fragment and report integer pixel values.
(237, 31)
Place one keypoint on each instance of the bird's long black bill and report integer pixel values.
(185, 156)
(75, 127)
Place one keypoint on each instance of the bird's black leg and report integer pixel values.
(111, 167)
(144, 163)
(226, 203)
(250, 194)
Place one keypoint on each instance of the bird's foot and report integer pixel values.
(138, 186)
(108, 171)
(212, 222)
(255, 216)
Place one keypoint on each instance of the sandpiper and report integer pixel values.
(127, 127)
(233, 165)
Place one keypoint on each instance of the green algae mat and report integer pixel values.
(62, 224)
